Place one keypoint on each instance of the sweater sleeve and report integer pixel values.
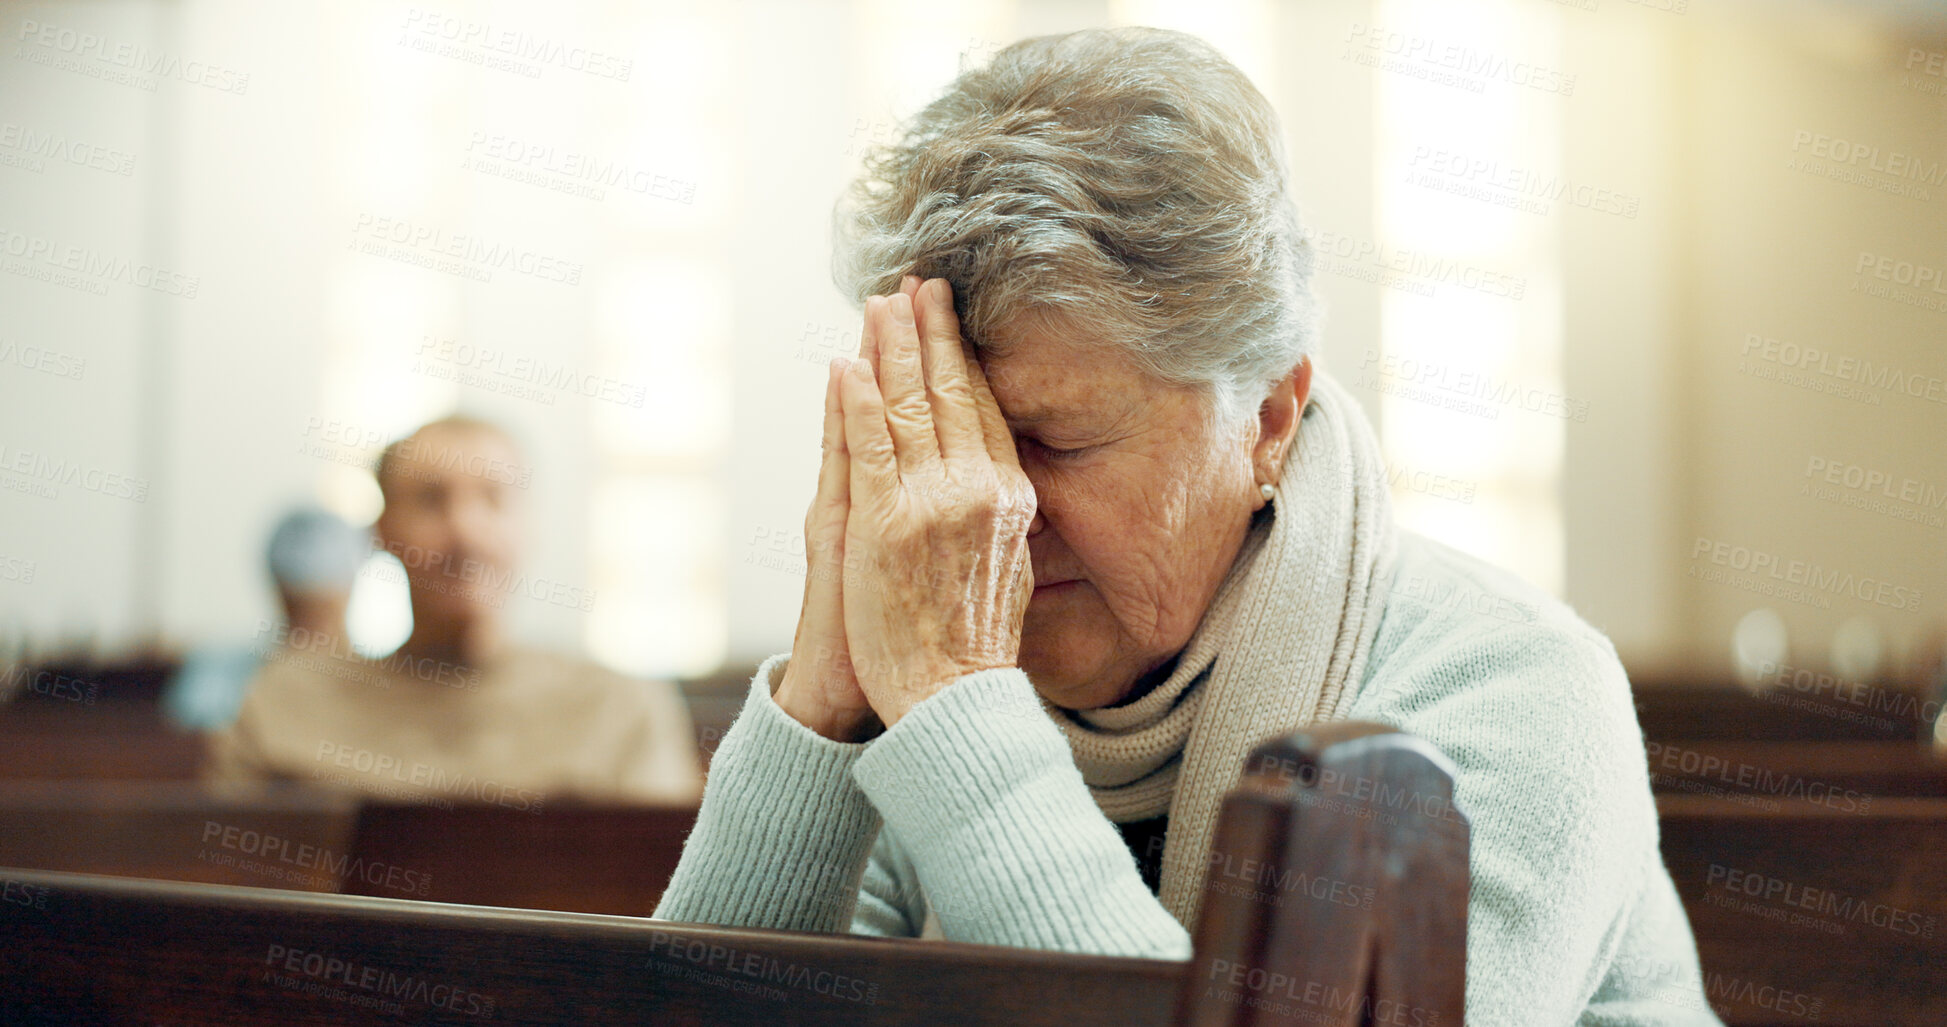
(783, 835)
(891, 903)
(979, 788)
(1552, 777)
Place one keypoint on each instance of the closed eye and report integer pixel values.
(1056, 452)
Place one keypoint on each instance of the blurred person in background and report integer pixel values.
(459, 713)
(314, 557)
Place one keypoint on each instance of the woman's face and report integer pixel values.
(1142, 506)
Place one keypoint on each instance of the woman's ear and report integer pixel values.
(1277, 421)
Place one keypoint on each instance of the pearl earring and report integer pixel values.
(1267, 491)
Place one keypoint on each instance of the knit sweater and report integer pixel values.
(970, 809)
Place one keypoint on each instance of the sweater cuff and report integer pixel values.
(978, 785)
(783, 834)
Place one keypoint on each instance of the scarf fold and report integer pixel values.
(1283, 644)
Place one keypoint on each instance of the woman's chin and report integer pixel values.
(1061, 677)
(1065, 651)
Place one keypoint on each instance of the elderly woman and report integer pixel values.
(1089, 525)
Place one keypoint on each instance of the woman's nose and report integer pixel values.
(1039, 522)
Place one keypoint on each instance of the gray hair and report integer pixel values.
(1129, 183)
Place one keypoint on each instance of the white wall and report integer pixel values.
(209, 400)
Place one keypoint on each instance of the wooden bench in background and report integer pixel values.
(97, 949)
(177, 831)
(590, 859)
(1810, 913)
(1726, 712)
(1851, 773)
(580, 859)
(122, 740)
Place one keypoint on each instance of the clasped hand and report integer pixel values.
(916, 542)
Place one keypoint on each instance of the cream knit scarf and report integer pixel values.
(1283, 644)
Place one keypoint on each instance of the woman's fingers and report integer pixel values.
(868, 335)
(874, 463)
(956, 415)
(993, 426)
(820, 642)
(834, 471)
(902, 384)
(868, 340)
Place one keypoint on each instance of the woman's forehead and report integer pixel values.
(1054, 381)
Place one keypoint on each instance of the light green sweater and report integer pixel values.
(971, 807)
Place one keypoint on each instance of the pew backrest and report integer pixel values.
(581, 859)
(1809, 912)
(1339, 896)
(270, 836)
(108, 950)
(1337, 888)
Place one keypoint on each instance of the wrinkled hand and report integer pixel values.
(936, 575)
(819, 688)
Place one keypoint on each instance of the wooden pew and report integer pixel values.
(1812, 913)
(1385, 939)
(110, 950)
(118, 950)
(1726, 712)
(1844, 773)
(269, 836)
(581, 859)
(108, 741)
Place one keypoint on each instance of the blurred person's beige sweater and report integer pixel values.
(528, 728)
